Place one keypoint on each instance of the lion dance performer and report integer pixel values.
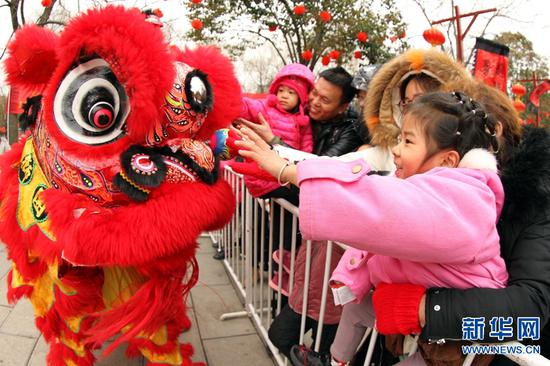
(103, 199)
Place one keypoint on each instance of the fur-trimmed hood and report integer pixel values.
(526, 176)
(379, 112)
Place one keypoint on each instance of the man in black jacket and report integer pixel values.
(334, 133)
(333, 127)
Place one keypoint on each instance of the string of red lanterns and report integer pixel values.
(519, 90)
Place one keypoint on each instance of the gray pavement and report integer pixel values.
(228, 343)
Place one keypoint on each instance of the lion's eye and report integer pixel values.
(91, 105)
(198, 91)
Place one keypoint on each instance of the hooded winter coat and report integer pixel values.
(524, 229)
(381, 112)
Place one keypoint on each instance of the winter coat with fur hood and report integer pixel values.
(381, 112)
(524, 229)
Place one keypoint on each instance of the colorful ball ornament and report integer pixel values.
(158, 13)
(300, 9)
(307, 55)
(196, 24)
(334, 54)
(362, 37)
(325, 16)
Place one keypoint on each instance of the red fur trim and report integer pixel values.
(225, 86)
(157, 302)
(139, 57)
(59, 353)
(139, 233)
(32, 57)
(15, 294)
(87, 283)
(186, 351)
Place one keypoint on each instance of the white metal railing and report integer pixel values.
(243, 243)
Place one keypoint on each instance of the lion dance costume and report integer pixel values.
(103, 199)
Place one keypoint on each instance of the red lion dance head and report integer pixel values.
(103, 200)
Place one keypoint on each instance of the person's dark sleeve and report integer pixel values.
(361, 129)
(527, 294)
(349, 141)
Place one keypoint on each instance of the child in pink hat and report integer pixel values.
(283, 109)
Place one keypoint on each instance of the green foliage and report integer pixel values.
(240, 24)
(523, 59)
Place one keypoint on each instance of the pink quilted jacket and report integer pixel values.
(293, 129)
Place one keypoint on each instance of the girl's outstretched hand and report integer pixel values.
(263, 129)
(253, 147)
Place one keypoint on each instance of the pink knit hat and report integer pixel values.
(297, 84)
(295, 76)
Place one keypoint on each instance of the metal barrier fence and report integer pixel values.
(243, 242)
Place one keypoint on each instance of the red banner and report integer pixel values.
(539, 91)
(16, 99)
(491, 63)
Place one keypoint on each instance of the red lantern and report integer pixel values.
(358, 54)
(196, 24)
(307, 55)
(519, 106)
(325, 60)
(518, 89)
(403, 35)
(393, 39)
(299, 9)
(272, 27)
(46, 3)
(334, 54)
(325, 16)
(434, 36)
(158, 12)
(362, 37)
(196, 1)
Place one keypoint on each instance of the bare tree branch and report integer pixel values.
(46, 14)
(54, 22)
(6, 47)
(421, 6)
(22, 12)
(270, 41)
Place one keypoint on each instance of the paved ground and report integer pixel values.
(229, 343)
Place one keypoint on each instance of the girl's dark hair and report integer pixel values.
(454, 121)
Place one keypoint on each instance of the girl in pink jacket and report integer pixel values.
(284, 111)
(429, 225)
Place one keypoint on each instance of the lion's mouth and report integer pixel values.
(182, 161)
